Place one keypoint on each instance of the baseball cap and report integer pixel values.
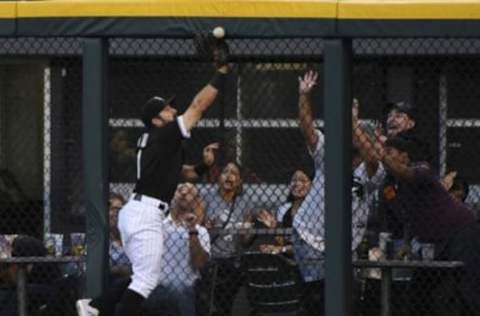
(401, 144)
(403, 107)
(154, 106)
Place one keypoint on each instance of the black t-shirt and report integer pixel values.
(287, 220)
(434, 213)
(396, 213)
(160, 157)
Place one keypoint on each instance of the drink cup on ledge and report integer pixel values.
(5, 247)
(385, 244)
(78, 244)
(428, 252)
(54, 244)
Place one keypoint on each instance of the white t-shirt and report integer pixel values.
(363, 194)
(310, 218)
(220, 211)
(282, 210)
(177, 267)
(309, 221)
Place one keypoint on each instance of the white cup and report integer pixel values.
(428, 252)
(54, 244)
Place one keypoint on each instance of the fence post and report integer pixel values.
(338, 176)
(94, 133)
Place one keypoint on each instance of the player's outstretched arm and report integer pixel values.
(205, 98)
(305, 87)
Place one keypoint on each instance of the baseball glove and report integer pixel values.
(211, 49)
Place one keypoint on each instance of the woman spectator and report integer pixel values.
(119, 263)
(300, 185)
(226, 207)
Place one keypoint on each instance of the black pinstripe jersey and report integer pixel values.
(160, 156)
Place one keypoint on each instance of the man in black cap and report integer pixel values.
(400, 118)
(401, 121)
(160, 166)
(436, 217)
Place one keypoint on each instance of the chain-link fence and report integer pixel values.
(41, 174)
(257, 157)
(417, 98)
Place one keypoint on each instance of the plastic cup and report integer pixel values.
(428, 252)
(385, 244)
(54, 244)
(78, 244)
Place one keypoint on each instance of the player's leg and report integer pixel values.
(105, 304)
(144, 248)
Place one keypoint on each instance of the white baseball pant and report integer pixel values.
(141, 230)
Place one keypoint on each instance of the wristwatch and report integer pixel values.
(193, 232)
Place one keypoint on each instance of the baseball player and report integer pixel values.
(159, 169)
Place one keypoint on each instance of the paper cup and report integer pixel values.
(54, 244)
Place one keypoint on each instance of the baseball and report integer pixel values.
(218, 32)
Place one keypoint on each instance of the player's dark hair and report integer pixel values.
(154, 106)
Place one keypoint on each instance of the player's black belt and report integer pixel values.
(163, 206)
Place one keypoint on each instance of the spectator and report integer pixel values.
(299, 187)
(187, 248)
(209, 170)
(119, 263)
(226, 206)
(182, 261)
(368, 176)
(436, 218)
(401, 122)
(308, 224)
(122, 158)
(308, 236)
(41, 272)
(43, 281)
(459, 189)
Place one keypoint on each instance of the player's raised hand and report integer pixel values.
(209, 48)
(221, 54)
(307, 82)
